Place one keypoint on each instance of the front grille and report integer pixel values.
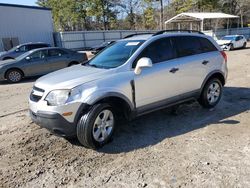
(36, 94)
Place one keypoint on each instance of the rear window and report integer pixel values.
(191, 45)
(206, 45)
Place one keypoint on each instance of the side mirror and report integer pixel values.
(143, 63)
(28, 58)
(17, 50)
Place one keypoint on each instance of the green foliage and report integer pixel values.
(71, 15)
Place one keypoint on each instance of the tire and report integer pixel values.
(244, 45)
(211, 93)
(73, 63)
(92, 134)
(231, 47)
(14, 75)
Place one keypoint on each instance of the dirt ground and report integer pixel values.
(194, 148)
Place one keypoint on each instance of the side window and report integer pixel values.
(41, 45)
(56, 52)
(31, 47)
(35, 46)
(206, 45)
(158, 51)
(237, 38)
(23, 48)
(187, 45)
(39, 55)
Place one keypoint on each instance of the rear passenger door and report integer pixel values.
(197, 56)
(58, 59)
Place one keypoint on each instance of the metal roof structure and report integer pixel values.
(199, 17)
(24, 6)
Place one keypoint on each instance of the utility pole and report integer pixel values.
(162, 18)
(161, 14)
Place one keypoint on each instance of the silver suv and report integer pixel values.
(132, 77)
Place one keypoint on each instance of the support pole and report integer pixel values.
(215, 29)
(191, 25)
(161, 16)
(179, 26)
(202, 25)
(227, 26)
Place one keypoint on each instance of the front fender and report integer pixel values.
(98, 95)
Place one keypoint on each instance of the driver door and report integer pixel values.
(159, 82)
(36, 63)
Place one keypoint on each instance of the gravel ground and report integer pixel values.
(192, 148)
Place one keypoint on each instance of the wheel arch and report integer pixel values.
(8, 57)
(214, 74)
(73, 63)
(13, 68)
(121, 103)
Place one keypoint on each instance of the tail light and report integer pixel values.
(224, 55)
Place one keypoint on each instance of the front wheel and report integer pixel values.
(211, 93)
(231, 47)
(96, 127)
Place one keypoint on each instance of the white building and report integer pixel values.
(21, 24)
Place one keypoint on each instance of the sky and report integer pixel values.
(20, 2)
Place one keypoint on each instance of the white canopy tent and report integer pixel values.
(198, 17)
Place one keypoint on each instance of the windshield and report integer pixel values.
(229, 38)
(116, 54)
(13, 49)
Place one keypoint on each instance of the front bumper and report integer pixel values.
(225, 46)
(54, 122)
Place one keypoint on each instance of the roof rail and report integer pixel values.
(176, 30)
(131, 35)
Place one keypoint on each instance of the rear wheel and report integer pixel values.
(96, 127)
(211, 93)
(14, 75)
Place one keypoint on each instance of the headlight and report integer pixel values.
(61, 97)
(57, 97)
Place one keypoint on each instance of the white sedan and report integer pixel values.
(230, 42)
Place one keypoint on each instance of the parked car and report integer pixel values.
(100, 47)
(132, 77)
(231, 42)
(21, 49)
(39, 62)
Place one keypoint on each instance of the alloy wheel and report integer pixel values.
(103, 125)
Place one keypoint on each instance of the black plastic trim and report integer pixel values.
(193, 95)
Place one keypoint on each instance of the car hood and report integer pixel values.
(221, 42)
(7, 62)
(71, 77)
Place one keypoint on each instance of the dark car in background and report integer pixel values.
(21, 49)
(39, 62)
(100, 47)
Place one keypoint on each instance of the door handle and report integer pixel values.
(205, 62)
(174, 70)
